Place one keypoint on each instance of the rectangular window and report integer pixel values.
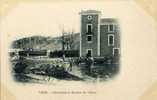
(111, 40)
(110, 28)
(116, 51)
(89, 28)
(89, 38)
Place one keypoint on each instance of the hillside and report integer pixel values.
(41, 42)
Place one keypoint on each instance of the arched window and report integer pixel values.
(89, 28)
(110, 39)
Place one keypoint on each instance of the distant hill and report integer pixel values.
(41, 42)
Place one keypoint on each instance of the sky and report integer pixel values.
(49, 19)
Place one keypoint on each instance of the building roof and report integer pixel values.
(108, 20)
(90, 12)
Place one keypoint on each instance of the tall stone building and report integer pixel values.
(99, 37)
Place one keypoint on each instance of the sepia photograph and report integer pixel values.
(92, 54)
(78, 50)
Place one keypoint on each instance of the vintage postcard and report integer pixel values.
(76, 50)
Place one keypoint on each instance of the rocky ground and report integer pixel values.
(81, 72)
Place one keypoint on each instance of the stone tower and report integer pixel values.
(90, 33)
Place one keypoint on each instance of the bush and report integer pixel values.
(20, 67)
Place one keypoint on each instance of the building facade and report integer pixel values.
(99, 37)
